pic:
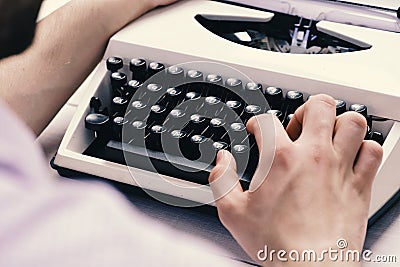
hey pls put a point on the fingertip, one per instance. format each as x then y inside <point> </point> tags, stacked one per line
<point>367,164</point>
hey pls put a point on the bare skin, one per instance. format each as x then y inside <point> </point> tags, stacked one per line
<point>317,191</point>
<point>68,45</point>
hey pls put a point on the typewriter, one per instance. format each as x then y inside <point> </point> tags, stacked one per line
<point>180,83</point>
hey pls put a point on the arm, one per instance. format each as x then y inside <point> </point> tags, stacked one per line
<point>68,45</point>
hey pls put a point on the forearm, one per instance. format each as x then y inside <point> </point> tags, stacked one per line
<point>68,45</point>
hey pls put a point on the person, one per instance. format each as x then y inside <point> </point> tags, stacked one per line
<point>317,191</point>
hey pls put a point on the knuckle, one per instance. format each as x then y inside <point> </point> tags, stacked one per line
<point>282,155</point>
<point>356,120</point>
<point>325,99</point>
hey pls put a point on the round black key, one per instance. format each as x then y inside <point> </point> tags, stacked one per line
<point>378,137</point>
<point>250,111</point>
<point>118,79</point>
<point>194,76</point>
<point>118,124</point>
<point>153,139</point>
<point>192,96</point>
<point>139,110</point>
<point>340,107</point>
<point>241,154</point>
<point>216,130</point>
<point>287,119</point>
<point>214,79</point>
<point>138,105</point>
<point>176,119</point>
<point>294,99</point>
<point>133,86</point>
<point>139,69</point>
<point>173,97</point>
<point>154,68</point>
<point>359,108</point>
<point>203,149</point>
<point>136,133</point>
<point>253,92</point>
<point>154,87</point>
<point>274,97</point>
<point>212,100</point>
<point>234,84</point>
<point>97,122</point>
<point>215,86</point>
<point>236,106</point>
<point>157,115</point>
<point>95,104</point>
<point>191,150</point>
<point>194,82</point>
<point>253,87</point>
<point>175,77</point>
<point>119,105</point>
<point>219,145</point>
<point>237,133</point>
<point>277,113</point>
<point>212,106</point>
<point>194,101</point>
<point>197,124</point>
<point>173,141</point>
<point>114,64</point>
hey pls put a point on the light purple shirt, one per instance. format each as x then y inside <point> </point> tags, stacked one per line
<point>45,222</point>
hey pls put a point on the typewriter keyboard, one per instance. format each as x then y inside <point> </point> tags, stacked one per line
<point>173,120</point>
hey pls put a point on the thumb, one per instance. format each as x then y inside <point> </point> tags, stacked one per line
<point>224,181</point>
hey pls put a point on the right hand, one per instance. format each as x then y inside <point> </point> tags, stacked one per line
<point>317,191</point>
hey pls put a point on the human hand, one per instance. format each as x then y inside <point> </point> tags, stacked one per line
<point>318,188</point>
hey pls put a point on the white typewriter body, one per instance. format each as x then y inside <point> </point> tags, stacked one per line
<point>172,35</point>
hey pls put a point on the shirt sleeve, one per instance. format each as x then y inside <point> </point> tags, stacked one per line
<point>74,223</point>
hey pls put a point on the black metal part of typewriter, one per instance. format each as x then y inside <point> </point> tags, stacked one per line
<point>180,134</point>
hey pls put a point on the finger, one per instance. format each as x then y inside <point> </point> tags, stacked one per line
<point>367,164</point>
<point>264,127</point>
<point>314,120</point>
<point>270,135</point>
<point>349,133</point>
<point>224,181</point>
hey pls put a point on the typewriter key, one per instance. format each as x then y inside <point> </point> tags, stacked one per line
<point>118,124</point>
<point>294,99</point>
<point>197,124</point>
<point>153,138</point>
<point>154,68</point>
<point>157,115</point>
<point>138,69</point>
<point>359,108</point>
<point>250,111</point>
<point>133,86</point>
<point>119,105</point>
<point>287,120</point>
<point>114,64</point>
<point>340,107</point>
<point>377,137</point>
<point>277,113</point>
<point>175,77</point>
<point>118,79</point>
<point>274,96</point>
<point>216,130</point>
